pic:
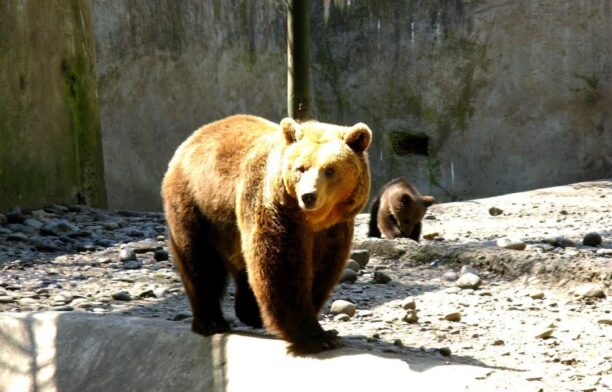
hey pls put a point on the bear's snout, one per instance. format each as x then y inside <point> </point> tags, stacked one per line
<point>309,199</point>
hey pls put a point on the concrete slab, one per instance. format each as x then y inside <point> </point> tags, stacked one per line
<point>53,351</point>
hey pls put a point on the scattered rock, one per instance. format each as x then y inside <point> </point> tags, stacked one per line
<point>411,317</point>
<point>160,255</point>
<point>62,308</point>
<point>353,265</point>
<point>510,243</point>
<point>499,342</point>
<point>127,254</point>
<point>536,294</point>
<point>560,242</point>
<point>450,276</point>
<point>33,223</point>
<point>408,303</point>
<point>58,228</point>
<point>601,321</point>
<point>18,237</point>
<point>592,239</point>
<point>468,269</point>
<point>545,334</point>
<point>590,290</point>
<point>342,317</point>
<point>132,264</point>
<point>445,351</point>
<point>494,211</point>
<point>431,236</point>
<point>181,316</point>
<point>381,277</point>
<point>5,299</point>
<point>64,297</point>
<point>468,281</point>
<point>348,276</point>
<point>362,256</point>
<point>342,306</point>
<point>454,316</point>
<point>15,216</point>
<point>121,296</point>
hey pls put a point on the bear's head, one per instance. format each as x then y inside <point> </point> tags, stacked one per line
<point>408,209</point>
<point>325,169</point>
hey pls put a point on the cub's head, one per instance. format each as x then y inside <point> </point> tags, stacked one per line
<point>325,168</point>
<point>408,209</point>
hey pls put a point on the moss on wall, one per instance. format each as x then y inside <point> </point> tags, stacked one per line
<point>50,149</point>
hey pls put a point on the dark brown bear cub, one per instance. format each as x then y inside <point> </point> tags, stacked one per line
<point>274,207</point>
<point>398,211</point>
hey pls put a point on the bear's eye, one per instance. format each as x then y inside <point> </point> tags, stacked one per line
<point>301,169</point>
<point>406,199</point>
<point>330,171</point>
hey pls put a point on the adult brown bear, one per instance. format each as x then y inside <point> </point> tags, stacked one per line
<point>274,206</point>
<point>398,211</point>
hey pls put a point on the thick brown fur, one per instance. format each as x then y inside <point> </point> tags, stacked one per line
<point>273,206</point>
<point>398,211</point>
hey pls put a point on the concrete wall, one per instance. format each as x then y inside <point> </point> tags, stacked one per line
<point>50,148</point>
<point>508,95</point>
<point>166,67</point>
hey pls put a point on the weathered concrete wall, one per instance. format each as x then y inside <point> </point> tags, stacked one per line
<point>512,95</point>
<point>467,98</point>
<point>50,148</point>
<point>166,67</point>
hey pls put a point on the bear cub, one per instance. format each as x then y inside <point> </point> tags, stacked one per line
<point>398,211</point>
<point>273,206</point>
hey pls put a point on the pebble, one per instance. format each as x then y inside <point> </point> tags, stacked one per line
<point>132,264</point>
<point>59,227</point>
<point>468,269</point>
<point>27,301</point>
<point>5,299</point>
<point>381,278</point>
<point>454,316</point>
<point>62,308</point>
<point>362,256</point>
<point>160,255</point>
<point>121,296</point>
<point>468,281</point>
<point>342,317</point>
<point>537,294</point>
<point>592,239</point>
<point>411,317</point>
<point>15,216</point>
<point>450,276</point>
<point>353,265</point>
<point>348,276</point>
<point>127,254</point>
<point>431,236</point>
<point>408,303</point>
<point>590,290</point>
<point>545,334</point>
<point>560,242</point>
<point>33,223</point>
<point>63,297</point>
<point>18,237</point>
<point>341,306</point>
<point>445,351</point>
<point>510,243</point>
<point>494,211</point>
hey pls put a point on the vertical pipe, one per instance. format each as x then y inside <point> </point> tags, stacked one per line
<point>298,59</point>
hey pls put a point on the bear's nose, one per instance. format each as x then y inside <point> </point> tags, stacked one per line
<point>309,199</point>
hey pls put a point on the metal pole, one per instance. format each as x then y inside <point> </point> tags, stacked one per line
<point>298,59</point>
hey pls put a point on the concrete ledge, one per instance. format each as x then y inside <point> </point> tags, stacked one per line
<point>53,351</point>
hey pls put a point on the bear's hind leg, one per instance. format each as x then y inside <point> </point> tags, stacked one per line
<point>204,276</point>
<point>245,304</point>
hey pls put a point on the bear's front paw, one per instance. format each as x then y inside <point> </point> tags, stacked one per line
<point>329,340</point>
<point>208,328</point>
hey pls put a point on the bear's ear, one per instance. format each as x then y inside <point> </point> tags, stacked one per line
<point>291,130</point>
<point>428,201</point>
<point>358,137</point>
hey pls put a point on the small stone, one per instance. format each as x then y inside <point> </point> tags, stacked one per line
<point>33,223</point>
<point>58,228</point>
<point>592,239</point>
<point>604,252</point>
<point>450,276</point>
<point>132,264</point>
<point>494,211</point>
<point>590,290</point>
<point>110,225</point>
<point>536,294</point>
<point>5,299</point>
<point>160,292</point>
<point>342,317</point>
<point>181,316</point>
<point>560,242</point>
<point>18,237</point>
<point>545,334</point>
<point>510,243</point>
<point>408,303</point>
<point>15,216</point>
<point>381,277</point>
<point>468,268</point>
<point>160,255</point>
<point>431,236</point>
<point>411,317</point>
<point>362,256</point>
<point>46,246</point>
<point>353,265</point>
<point>601,321</point>
<point>147,294</point>
<point>64,297</point>
<point>342,306</point>
<point>82,303</point>
<point>348,276</point>
<point>121,296</point>
<point>127,254</point>
<point>455,316</point>
<point>445,351</point>
<point>27,301</point>
<point>468,281</point>
<point>62,308</point>
<point>499,342</point>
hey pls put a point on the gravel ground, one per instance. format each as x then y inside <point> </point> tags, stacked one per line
<point>505,282</point>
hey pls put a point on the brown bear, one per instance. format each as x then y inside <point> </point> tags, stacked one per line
<point>274,206</point>
<point>398,211</point>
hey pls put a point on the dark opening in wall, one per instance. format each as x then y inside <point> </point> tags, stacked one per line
<point>408,144</point>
